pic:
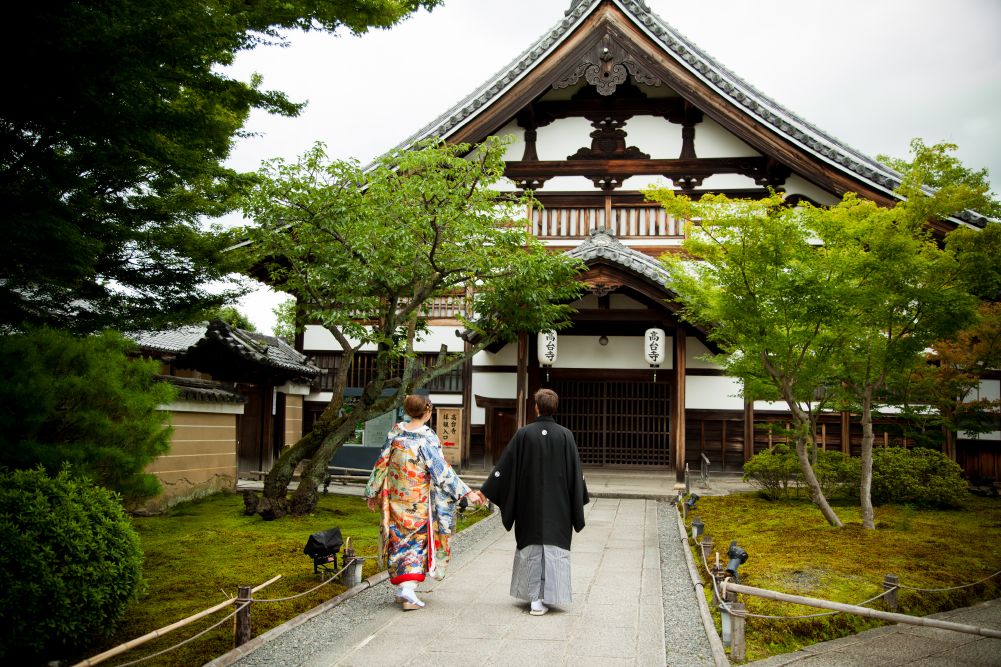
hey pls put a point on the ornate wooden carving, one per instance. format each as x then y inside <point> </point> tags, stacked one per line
<point>608,141</point>
<point>772,174</point>
<point>608,65</point>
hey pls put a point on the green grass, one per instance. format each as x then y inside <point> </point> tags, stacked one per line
<point>198,553</point>
<point>793,550</point>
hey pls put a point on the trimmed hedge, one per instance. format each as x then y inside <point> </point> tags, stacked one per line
<point>70,564</point>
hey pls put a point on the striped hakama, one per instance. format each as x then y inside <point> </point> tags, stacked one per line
<point>541,572</point>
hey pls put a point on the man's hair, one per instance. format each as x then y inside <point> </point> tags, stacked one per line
<point>547,401</point>
<point>415,405</point>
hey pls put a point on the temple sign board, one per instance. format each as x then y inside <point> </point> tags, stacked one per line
<point>449,422</point>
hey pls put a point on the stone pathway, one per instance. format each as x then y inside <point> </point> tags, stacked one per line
<point>617,617</point>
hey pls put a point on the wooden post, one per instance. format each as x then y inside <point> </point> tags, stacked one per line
<point>890,582</point>
<point>678,423</point>
<point>521,390</point>
<point>748,429</point>
<point>737,647</point>
<point>707,547</point>
<point>242,633</point>
<point>846,432</point>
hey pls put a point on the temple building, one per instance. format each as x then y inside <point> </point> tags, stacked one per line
<point>609,101</point>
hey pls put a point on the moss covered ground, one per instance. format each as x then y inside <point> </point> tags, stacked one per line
<point>793,550</point>
<point>198,553</point>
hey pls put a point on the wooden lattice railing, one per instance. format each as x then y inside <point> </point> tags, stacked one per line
<point>625,222</point>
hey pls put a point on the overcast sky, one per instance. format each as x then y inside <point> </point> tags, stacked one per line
<point>872,73</point>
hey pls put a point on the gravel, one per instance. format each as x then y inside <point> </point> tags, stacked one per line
<point>685,638</point>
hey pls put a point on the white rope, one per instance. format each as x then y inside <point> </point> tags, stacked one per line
<point>189,639</point>
<point>951,588</point>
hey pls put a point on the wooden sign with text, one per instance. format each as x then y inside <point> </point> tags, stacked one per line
<point>449,423</point>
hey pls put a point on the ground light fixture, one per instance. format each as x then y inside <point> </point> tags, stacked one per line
<point>697,528</point>
<point>738,557</point>
<point>322,547</point>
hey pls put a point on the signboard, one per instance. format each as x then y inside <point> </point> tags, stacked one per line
<point>449,422</point>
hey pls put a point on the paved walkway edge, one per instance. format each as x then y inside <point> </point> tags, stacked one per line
<point>715,643</point>
<point>226,659</point>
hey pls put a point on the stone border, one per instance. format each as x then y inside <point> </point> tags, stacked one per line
<point>715,643</point>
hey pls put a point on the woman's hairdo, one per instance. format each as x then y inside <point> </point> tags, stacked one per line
<point>547,401</point>
<point>416,405</point>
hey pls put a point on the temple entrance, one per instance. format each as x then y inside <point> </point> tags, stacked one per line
<point>617,423</point>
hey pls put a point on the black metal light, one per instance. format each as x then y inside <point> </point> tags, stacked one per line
<point>738,557</point>
<point>322,548</point>
<point>692,499</point>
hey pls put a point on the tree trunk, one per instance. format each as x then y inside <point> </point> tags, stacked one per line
<point>865,487</point>
<point>816,494</point>
<point>307,494</point>
<point>804,429</point>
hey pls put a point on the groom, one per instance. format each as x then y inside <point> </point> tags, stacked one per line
<point>540,490</point>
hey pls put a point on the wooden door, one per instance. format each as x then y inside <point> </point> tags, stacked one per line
<point>617,423</point>
<point>503,424</point>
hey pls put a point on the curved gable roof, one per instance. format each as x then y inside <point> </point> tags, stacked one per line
<point>601,245</point>
<point>738,93</point>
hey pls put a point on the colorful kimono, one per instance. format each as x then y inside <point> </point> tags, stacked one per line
<point>418,489</point>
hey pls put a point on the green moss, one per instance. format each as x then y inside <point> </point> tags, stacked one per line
<point>792,549</point>
<point>197,554</point>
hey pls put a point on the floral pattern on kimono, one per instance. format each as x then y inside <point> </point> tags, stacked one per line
<point>417,489</point>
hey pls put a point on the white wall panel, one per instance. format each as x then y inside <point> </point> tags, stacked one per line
<point>562,138</point>
<point>712,140</point>
<point>796,185</point>
<point>506,356</point>
<point>317,338</point>
<point>492,385</point>
<point>657,137</point>
<point>693,350</point>
<point>712,392</point>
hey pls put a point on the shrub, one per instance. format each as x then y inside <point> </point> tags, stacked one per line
<point>772,471</point>
<point>839,475</point>
<point>920,476</point>
<point>69,565</point>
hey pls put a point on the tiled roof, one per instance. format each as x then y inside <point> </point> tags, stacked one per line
<point>190,389</point>
<point>255,347</point>
<point>173,341</point>
<point>765,110</point>
<point>262,349</point>
<point>602,245</point>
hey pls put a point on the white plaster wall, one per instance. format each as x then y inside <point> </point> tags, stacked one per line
<point>622,352</point>
<point>562,138</point>
<point>727,182</point>
<point>712,392</point>
<point>797,185</point>
<point>492,385</point>
<point>771,406</point>
<point>317,338</point>
<point>506,356</point>
<point>516,149</point>
<point>657,137</point>
<point>695,349</point>
<point>567,183</point>
<point>644,181</point>
<point>712,140</point>
<point>990,390</point>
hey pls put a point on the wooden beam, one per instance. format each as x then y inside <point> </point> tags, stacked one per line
<point>698,167</point>
<point>748,429</point>
<point>678,404</point>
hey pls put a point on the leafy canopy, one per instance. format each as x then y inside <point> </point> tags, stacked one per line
<point>114,127</point>
<point>366,251</point>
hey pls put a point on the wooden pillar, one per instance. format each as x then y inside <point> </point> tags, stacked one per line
<point>748,429</point>
<point>467,403</point>
<point>846,432</point>
<point>521,393</point>
<point>678,405</point>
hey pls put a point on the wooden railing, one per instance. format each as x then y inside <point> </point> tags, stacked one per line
<point>624,222</point>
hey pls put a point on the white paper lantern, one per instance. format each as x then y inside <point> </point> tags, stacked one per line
<point>654,346</point>
<point>547,348</point>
